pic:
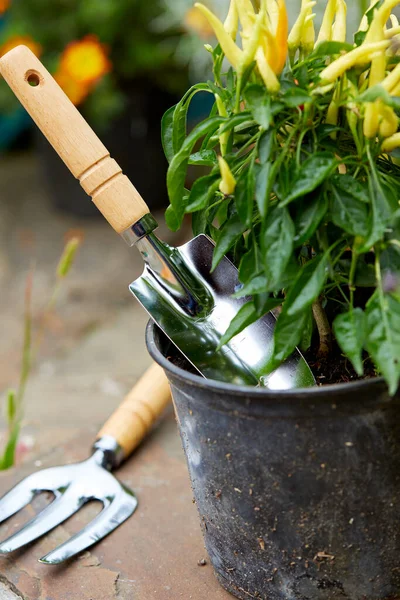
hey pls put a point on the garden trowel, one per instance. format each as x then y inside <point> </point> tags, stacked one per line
<point>192,304</point>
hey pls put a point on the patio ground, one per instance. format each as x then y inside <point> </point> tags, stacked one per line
<point>91,355</point>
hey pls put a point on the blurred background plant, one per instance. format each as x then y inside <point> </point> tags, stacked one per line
<point>123,63</point>
<point>32,338</point>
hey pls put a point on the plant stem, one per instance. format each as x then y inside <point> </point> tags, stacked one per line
<point>238,92</point>
<point>354,259</point>
<point>324,329</point>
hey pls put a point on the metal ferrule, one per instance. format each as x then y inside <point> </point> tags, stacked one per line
<point>140,229</point>
<point>107,453</point>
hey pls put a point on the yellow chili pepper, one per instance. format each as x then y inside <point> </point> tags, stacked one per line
<point>223,137</point>
<point>308,34</point>
<point>340,26</point>
<point>246,17</point>
<point>396,90</point>
<point>281,35</point>
<point>268,76</point>
<point>376,33</point>
<point>273,14</point>
<point>232,52</point>
<point>228,182</point>
<point>269,44</point>
<point>390,33</point>
<point>352,111</point>
<point>253,42</point>
<point>376,30</point>
<point>358,56</point>
<point>371,119</point>
<point>274,35</point>
<point>332,114</point>
<point>364,21</point>
<point>325,33</point>
<point>302,32</point>
<point>391,143</point>
<point>392,80</point>
<point>390,122</point>
<point>231,23</point>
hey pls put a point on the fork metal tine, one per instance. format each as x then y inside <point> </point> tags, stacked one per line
<point>120,509</point>
<point>58,511</point>
<point>18,497</point>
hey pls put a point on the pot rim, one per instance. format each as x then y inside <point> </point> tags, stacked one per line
<point>240,390</point>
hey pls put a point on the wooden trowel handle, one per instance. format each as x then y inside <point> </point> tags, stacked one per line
<point>133,419</point>
<point>72,138</point>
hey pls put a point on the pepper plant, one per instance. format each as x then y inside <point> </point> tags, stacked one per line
<point>302,180</point>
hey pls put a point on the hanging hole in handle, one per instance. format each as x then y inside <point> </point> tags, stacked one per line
<point>33,78</point>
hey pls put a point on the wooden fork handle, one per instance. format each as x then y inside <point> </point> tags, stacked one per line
<point>72,138</point>
<point>132,420</point>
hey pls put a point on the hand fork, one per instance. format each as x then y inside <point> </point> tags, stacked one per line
<point>74,485</point>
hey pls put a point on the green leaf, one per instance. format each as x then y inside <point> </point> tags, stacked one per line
<point>349,213</point>
<point>244,195</point>
<point>247,315</point>
<point>287,335</point>
<point>314,171</point>
<point>236,121</point>
<point>229,234</point>
<point>331,48</point>
<point>349,186</point>
<point>390,259</point>
<point>176,174</point>
<point>171,219</point>
<point>263,175</point>
<point>376,92</point>
<point>350,332</point>
<point>265,146</point>
<point>359,37</point>
<point>311,211</point>
<point>306,336</point>
<point>383,337</point>
<point>257,285</point>
<point>248,266</point>
<point>295,96</point>
<point>206,158</point>
<point>277,244</point>
<point>179,117</point>
<point>167,133</point>
<point>203,190</point>
<point>380,215</point>
<point>307,286</point>
<point>258,100</point>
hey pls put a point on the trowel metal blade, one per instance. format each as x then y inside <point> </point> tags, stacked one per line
<point>243,361</point>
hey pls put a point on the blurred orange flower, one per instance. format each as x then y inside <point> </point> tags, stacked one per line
<point>17,40</point>
<point>197,22</point>
<point>4,4</point>
<point>85,61</point>
<point>75,90</point>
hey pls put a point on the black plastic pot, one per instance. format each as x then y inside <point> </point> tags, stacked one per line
<point>298,492</point>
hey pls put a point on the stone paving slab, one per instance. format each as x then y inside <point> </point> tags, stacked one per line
<point>91,355</point>
<point>153,555</point>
